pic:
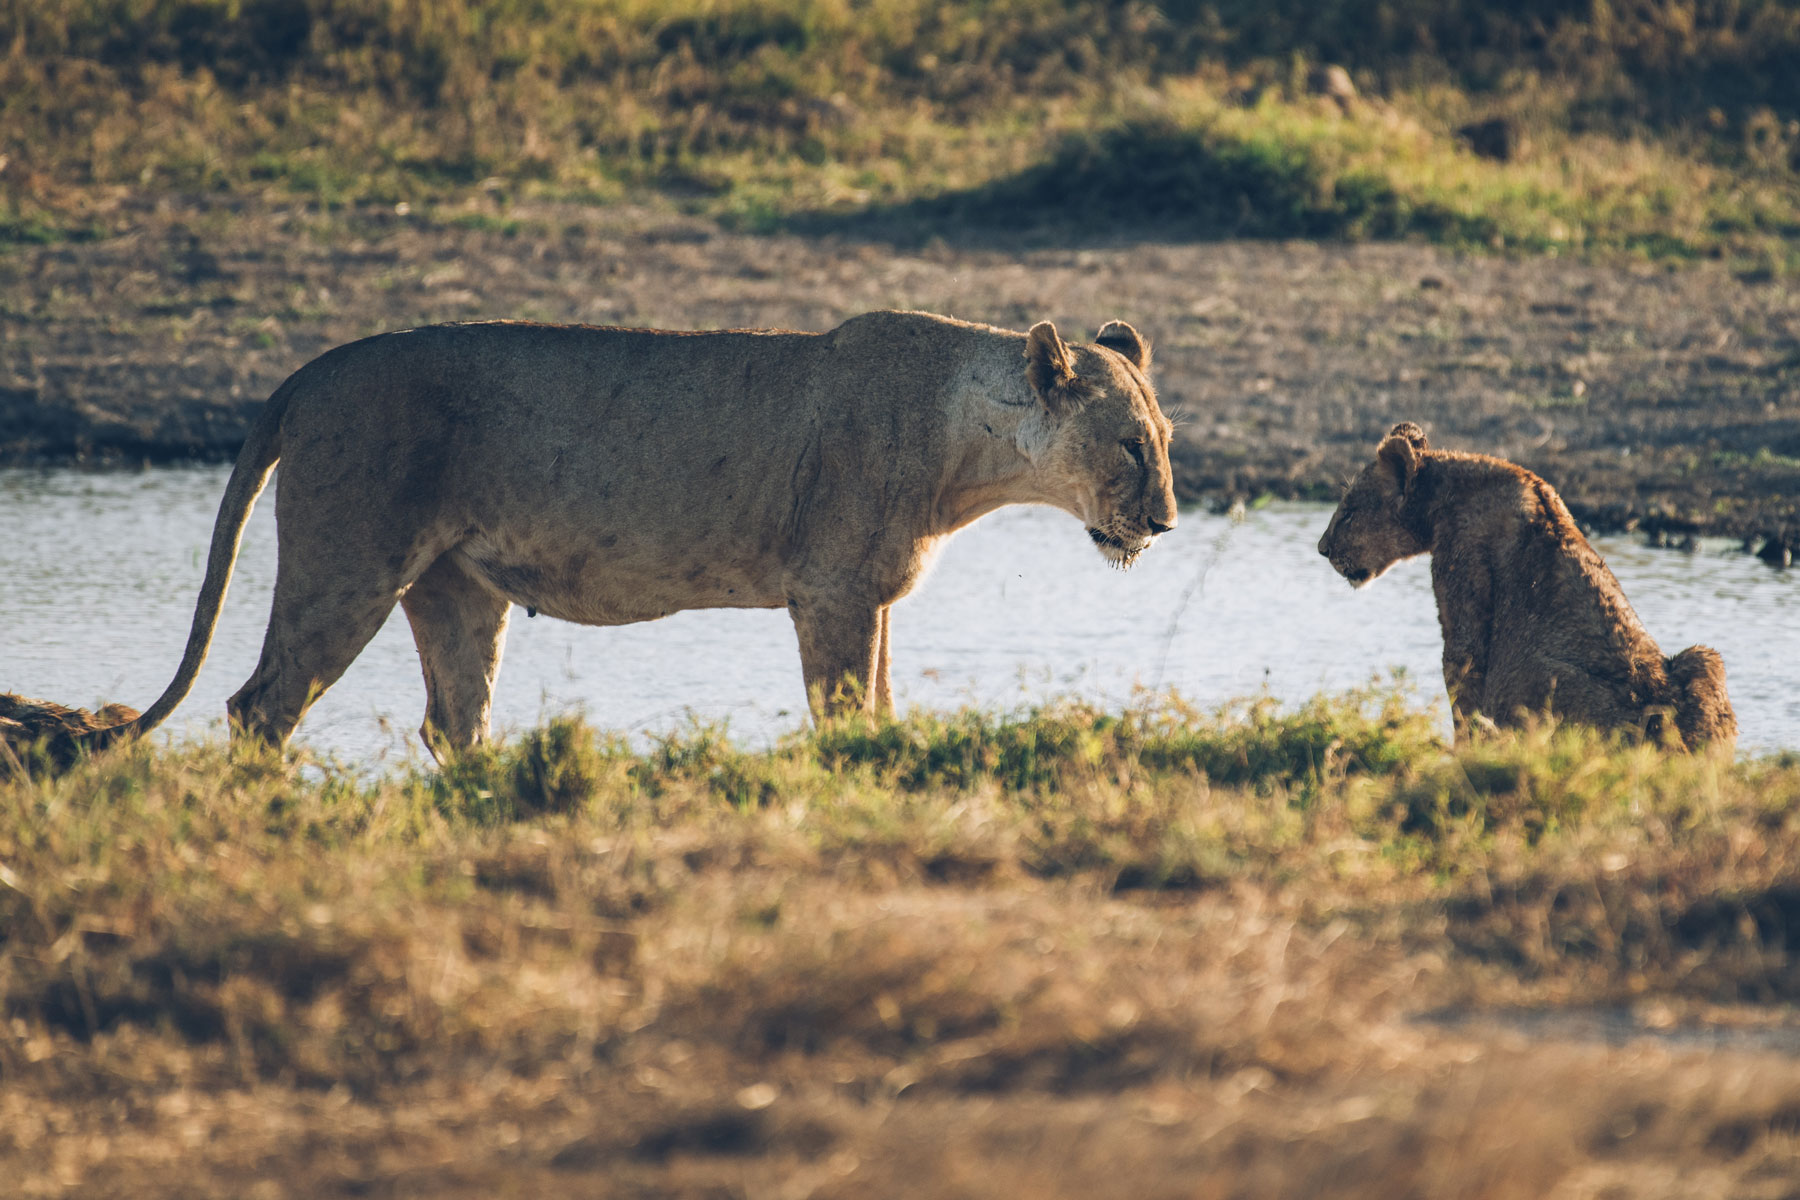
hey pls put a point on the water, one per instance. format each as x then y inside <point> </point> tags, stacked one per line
<point>98,574</point>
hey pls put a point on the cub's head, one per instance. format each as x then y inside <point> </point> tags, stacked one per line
<point>1104,455</point>
<point>1367,535</point>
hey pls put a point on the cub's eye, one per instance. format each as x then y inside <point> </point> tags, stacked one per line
<point>1135,448</point>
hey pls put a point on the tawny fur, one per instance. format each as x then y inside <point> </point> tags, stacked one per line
<point>607,476</point>
<point>29,727</point>
<point>1533,620</point>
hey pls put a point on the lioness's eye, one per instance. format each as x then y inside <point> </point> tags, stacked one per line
<point>1135,448</point>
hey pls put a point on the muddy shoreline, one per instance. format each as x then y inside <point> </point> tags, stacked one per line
<point>1657,399</point>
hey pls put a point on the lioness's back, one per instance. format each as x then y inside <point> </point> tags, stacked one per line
<point>650,420</point>
<point>568,370</point>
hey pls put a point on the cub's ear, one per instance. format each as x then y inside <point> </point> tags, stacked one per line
<point>1411,432</point>
<point>1122,338</point>
<point>1399,452</point>
<point>1048,367</point>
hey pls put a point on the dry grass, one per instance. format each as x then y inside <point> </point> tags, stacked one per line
<point>1669,130</point>
<point>1062,954</point>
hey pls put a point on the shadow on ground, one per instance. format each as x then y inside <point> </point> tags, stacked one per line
<point>1156,180</point>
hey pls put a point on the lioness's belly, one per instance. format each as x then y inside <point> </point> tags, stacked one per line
<point>618,583</point>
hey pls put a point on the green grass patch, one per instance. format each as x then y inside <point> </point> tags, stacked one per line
<point>1212,179</point>
<point>1364,762</point>
<point>1762,459</point>
<point>43,230</point>
<point>1194,165</point>
<point>1668,132</point>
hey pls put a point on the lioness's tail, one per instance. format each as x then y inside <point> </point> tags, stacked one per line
<point>1702,709</point>
<point>261,449</point>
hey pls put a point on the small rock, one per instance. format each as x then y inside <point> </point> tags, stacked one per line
<point>1334,83</point>
<point>1498,138</point>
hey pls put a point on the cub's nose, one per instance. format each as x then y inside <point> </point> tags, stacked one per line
<point>1323,552</point>
<point>1157,526</point>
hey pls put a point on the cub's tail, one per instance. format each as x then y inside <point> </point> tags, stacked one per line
<point>1702,709</point>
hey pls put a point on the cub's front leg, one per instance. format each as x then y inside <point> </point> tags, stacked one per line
<point>1466,619</point>
<point>1466,683</point>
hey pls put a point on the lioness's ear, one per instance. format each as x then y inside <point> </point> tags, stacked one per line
<point>1047,366</point>
<point>1122,338</point>
<point>1400,454</point>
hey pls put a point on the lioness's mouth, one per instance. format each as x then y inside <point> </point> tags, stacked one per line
<point>1117,551</point>
<point>1357,575</point>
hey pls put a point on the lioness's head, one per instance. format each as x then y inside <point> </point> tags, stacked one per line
<point>1367,534</point>
<point>1107,455</point>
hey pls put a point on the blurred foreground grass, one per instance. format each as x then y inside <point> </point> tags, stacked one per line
<point>933,957</point>
<point>1669,128</point>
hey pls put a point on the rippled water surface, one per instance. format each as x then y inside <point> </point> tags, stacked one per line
<point>98,574</point>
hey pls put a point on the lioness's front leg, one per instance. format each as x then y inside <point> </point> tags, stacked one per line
<point>840,643</point>
<point>884,687</point>
<point>459,627</point>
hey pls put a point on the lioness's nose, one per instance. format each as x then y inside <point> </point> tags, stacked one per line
<point>1157,526</point>
<point>1323,552</point>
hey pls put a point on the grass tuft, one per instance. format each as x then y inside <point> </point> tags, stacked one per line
<point>556,770</point>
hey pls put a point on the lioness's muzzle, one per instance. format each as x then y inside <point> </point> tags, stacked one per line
<point>1102,538</point>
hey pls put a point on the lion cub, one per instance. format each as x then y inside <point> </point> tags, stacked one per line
<point>1532,619</point>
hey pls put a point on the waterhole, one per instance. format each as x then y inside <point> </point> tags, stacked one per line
<point>98,575</point>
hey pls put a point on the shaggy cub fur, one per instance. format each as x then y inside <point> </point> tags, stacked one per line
<point>26,724</point>
<point>1533,621</point>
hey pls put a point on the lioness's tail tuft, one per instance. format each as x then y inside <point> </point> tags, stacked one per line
<point>1702,709</point>
<point>29,728</point>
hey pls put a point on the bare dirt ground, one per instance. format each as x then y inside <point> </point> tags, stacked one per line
<point>1667,399</point>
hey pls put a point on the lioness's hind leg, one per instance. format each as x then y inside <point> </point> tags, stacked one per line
<point>322,617</point>
<point>459,627</point>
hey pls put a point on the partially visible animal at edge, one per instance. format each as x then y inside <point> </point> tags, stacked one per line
<point>32,727</point>
<point>607,476</point>
<point>1533,621</point>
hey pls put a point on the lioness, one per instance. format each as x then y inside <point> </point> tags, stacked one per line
<point>615,475</point>
<point>1532,619</point>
